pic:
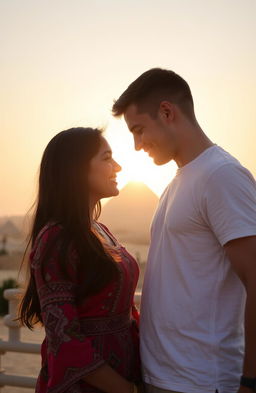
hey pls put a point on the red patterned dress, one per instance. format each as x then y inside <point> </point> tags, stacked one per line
<point>80,338</point>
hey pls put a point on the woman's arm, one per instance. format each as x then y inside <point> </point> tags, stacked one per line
<point>108,380</point>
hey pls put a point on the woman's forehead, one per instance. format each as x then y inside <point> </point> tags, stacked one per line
<point>104,146</point>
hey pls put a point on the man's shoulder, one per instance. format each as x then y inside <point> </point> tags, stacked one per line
<point>220,164</point>
<point>225,167</point>
<point>216,159</point>
<point>217,166</point>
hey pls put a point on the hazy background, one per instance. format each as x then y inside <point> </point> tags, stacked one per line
<point>63,62</point>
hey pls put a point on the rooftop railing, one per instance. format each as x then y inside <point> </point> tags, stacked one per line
<point>14,343</point>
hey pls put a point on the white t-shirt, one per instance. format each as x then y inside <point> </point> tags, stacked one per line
<point>192,307</point>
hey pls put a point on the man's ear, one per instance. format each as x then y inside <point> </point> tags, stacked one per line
<point>166,111</point>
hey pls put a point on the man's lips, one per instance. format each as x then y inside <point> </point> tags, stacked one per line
<point>148,151</point>
<point>148,148</point>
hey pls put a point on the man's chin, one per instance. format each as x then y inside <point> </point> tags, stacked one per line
<point>159,161</point>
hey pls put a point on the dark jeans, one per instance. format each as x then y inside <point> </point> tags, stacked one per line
<point>154,389</point>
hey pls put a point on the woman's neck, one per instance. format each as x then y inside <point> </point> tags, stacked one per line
<point>92,205</point>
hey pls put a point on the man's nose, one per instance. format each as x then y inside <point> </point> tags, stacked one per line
<point>137,143</point>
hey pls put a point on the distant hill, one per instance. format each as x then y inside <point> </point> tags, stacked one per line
<point>129,215</point>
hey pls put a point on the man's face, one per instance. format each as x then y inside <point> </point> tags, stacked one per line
<point>153,135</point>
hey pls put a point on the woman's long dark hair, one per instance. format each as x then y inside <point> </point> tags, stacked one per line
<point>63,198</point>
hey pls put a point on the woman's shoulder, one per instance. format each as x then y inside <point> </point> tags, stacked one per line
<point>50,232</point>
<point>105,228</point>
<point>47,250</point>
<point>49,229</point>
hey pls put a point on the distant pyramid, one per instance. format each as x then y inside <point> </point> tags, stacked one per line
<point>9,229</point>
<point>129,215</point>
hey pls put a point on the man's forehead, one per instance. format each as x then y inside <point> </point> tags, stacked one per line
<point>132,116</point>
<point>131,110</point>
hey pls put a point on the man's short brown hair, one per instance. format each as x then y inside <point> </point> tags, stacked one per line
<point>152,87</point>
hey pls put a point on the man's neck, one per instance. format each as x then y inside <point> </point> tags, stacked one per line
<point>194,143</point>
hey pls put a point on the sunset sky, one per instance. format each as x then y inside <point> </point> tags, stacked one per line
<point>63,63</point>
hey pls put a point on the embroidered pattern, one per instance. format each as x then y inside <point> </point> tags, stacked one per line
<point>80,338</point>
<point>109,325</point>
<point>55,323</point>
<point>56,292</point>
<point>73,330</point>
<point>72,375</point>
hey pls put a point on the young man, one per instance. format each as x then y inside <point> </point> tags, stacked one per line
<point>199,290</point>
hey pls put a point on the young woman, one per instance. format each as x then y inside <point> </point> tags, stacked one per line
<point>82,280</point>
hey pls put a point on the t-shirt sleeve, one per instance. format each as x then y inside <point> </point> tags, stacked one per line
<point>229,201</point>
<point>70,353</point>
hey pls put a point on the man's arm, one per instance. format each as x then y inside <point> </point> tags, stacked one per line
<point>242,255</point>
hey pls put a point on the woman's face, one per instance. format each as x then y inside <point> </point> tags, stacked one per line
<point>102,173</point>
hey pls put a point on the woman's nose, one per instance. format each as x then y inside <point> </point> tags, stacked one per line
<point>118,167</point>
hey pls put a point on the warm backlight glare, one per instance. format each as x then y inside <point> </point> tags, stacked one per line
<point>136,165</point>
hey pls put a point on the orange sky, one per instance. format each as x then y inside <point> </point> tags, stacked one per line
<point>63,63</point>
